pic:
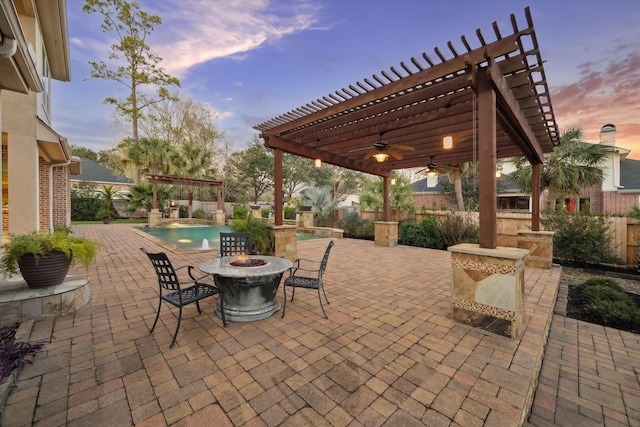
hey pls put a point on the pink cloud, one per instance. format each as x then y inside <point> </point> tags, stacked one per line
<point>606,92</point>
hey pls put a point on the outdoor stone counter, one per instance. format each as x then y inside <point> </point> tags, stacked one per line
<point>488,288</point>
<point>19,302</point>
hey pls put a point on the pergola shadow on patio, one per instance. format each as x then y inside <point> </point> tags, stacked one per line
<point>389,353</point>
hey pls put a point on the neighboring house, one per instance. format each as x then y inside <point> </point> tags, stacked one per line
<point>100,176</point>
<point>618,192</point>
<point>36,163</point>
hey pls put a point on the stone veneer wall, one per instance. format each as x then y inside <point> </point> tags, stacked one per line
<point>18,302</point>
<point>487,290</point>
<point>385,233</point>
<point>286,241</point>
<point>540,247</point>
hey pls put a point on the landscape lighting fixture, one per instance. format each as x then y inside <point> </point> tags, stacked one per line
<point>318,163</point>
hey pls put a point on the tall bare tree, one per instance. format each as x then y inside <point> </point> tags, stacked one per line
<point>131,61</point>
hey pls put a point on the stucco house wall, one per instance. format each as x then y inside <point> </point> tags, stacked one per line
<point>36,159</point>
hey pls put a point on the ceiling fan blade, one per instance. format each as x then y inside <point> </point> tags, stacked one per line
<point>402,147</point>
<point>395,154</point>
<point>370,154</point>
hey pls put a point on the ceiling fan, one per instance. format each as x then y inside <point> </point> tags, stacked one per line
<point>382,150</point>
<point>432,169</point>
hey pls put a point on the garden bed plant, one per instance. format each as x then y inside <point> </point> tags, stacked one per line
<point>14,353</point>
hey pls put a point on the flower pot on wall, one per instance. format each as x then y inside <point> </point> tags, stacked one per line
<point>45,270</point>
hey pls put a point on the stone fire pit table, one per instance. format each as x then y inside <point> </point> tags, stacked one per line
<point>249,290</point>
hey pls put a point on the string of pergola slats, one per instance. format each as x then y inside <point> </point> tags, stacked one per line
<point>425,99</point>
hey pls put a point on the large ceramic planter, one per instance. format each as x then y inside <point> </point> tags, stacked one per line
<point>46,270</point>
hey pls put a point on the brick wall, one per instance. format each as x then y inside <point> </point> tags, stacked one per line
<point>614,202</point>
<point>62,195</point>
<point>43,167</point>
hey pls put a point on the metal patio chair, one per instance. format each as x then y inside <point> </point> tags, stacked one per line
<point>179,293</point>
<point>309,277</point>
<point>235,244</point>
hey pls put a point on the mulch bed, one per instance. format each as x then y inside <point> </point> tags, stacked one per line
<point>575,311</point>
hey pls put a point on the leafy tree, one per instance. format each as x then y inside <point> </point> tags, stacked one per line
<point>296,172</point>
<point>138,64</point>
<point>570,167</point>
<point>87,153</point>
<point>342,181</point>
<point>254,166</point>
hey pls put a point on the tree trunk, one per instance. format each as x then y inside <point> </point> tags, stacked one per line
<point>457,184</point>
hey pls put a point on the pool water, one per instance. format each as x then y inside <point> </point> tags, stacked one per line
<point>195,237</point>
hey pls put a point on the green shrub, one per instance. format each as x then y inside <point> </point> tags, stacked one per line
<point>606,300</point>
<point>455,229</point>
<point>580,237</point>
<point>264,212</point>
<point>424,234</point>
<point>262,238</point>
<point>289,212</point>
<point>240,212</point>
<point>199,213</point>
<point>349,223</point>
<point>365,229</point>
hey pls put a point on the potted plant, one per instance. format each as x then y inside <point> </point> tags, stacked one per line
<point>44,258</point>
<point>105,215</point>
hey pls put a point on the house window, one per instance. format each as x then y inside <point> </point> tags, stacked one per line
<point>46,82</point>
<point>584,204</point>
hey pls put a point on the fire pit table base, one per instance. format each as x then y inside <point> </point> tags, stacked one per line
<point>249,298</point>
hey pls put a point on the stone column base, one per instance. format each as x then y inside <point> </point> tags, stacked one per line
<point>385,233</point>
<point>154,218</point>
<point>219,218</point>
<point>540,247</point>
<point>286,241</point>
<point>488,288</point>
<point>306,219</point>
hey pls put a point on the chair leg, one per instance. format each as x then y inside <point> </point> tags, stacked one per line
<point>284,307</point>
<point>157,315</point>
<point>177,328</point>
<point>198,305</point>
<point>320,299</point>
<point>325,295</point>
<point>293,292</point>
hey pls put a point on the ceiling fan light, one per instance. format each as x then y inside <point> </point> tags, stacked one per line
<point>381,157</point>
<point>447,142</point>
<point>432,174</point>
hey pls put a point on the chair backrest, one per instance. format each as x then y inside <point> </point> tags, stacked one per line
<point>325,258</point>
<point>167,276</point>
<point>235,244</point>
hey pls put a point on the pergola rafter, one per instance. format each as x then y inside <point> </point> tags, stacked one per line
<point>423,100</point>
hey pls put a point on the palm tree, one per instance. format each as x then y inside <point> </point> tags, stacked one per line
<point>320,199</point>
<point>570,167</point>
<point>141,196</point>
<point>400,196</point>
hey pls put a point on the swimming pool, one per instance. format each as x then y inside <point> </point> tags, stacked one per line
<point>195,237</point>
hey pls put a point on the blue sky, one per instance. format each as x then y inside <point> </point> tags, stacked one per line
<point>251,60</point>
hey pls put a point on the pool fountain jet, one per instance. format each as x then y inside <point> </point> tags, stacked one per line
<point>205,244</point>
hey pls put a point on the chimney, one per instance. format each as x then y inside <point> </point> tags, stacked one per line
<point>608,135</point>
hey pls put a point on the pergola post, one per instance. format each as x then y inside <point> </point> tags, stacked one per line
<point>277,189</point>
<point>385,199</point>
<point>487,162</point>
<point>535,197</point>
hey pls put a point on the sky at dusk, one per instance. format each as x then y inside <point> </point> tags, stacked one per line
<point>251,60</point>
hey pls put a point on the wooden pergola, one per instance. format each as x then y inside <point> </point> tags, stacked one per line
<point>492,99</point>
<point>181,180</point>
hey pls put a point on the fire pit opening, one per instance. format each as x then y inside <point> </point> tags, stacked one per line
<point>249,262</point>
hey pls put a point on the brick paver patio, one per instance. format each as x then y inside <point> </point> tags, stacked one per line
<point>388,354</point>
